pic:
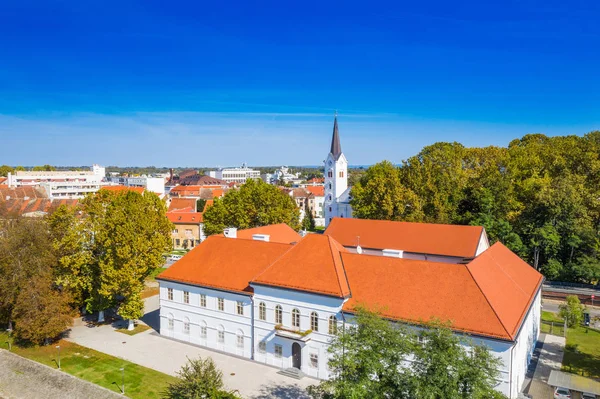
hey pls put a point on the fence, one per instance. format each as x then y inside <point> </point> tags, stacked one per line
<point>554,328</point>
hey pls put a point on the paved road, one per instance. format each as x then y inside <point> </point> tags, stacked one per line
<point>251,379</point>
<point>552,306</point>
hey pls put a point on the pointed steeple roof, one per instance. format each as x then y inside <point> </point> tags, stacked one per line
<point>336,147</point>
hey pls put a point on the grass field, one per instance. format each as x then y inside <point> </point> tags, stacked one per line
<point>96,367</point>
<point>136,330</point>
<point>582,353</point>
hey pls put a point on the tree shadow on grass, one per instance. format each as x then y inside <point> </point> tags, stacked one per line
<point>272,391</point>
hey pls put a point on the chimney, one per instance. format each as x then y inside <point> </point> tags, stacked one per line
<point>230,232</point>
<point>261,237</point>
<point>171,174</point>
<point>393,253</point>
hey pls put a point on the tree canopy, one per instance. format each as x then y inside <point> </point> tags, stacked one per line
<point>254,204</point>
<point>368,360</point>
<point>540,196</point>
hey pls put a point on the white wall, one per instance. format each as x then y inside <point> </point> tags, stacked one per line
<point>306,303</point>
<point>231,322</point>
<point>483,243</point>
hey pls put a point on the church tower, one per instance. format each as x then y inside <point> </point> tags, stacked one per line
<point>336,177</point>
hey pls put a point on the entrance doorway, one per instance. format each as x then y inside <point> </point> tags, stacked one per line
<point>296,356</point>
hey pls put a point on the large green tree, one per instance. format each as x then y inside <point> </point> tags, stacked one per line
<point>369,360</point>
<point>109,252</point>
<point>5,170</point>
<point>254,204</point>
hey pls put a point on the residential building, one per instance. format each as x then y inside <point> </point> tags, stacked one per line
<point>235,175</point>
<point>337,192</point>
<point>152,184</point>
<point>188,228</point>
<point>61,184</point>
<point>202,181</point>
<point>311,197</point>
<point>282,175</point>
<point>28,201</point>
<point>278,301</point>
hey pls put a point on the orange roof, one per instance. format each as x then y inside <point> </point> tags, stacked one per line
<point>123,188</point>
<point>224,263</point>
<point>181,203</point>
<point>508,283</point>
<point>416,291</point>
<point>317,191</point>
<point>3,179</point>
<point>426,238</point>
<point>313,265</point>
<point>281,233</point>
<point>185,217</point>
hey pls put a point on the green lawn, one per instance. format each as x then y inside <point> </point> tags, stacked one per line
<point>551,316</point>
<point>582,353</point>
<point>96,367</point>
<point>136,330</point>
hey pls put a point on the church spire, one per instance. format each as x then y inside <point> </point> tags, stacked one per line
<point>336,147</point>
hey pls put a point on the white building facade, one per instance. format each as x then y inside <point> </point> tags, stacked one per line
<point>153,184</point>
<point>235,175</point>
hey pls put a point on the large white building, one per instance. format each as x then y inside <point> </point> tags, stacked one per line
<point>61,184</point>
<point>235,175</point>
<point>337,192</point>
<point>276,298</point>
<point>153,184</point>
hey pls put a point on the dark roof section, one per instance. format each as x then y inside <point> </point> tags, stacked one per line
<point>336,147</point>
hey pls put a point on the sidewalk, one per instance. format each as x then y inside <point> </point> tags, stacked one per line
<point>253,380</point>
<point>551,355</point>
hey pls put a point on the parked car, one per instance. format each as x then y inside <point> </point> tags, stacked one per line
<point>175,258</point>
<point>586,319</point>
<point>562,393</point>
<point>587,395</point>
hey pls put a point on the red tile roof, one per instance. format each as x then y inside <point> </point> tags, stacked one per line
<point>312,265</point>
<point>181,203</point>
<point>3,179</point>
<point>426,238</point>
<point>7,192</point>
<point>179,217</point>
<point>202,180</point>
<point>317,191</point>
<point>281,233</point>
<point>225,263</point>
<point>124,188</point>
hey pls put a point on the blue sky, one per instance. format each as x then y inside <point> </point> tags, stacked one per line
<point>221,83</point>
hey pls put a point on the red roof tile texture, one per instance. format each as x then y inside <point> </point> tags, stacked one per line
<point>181,203</point>
<point>312,265</point>
<point>281,233</point>
<point>425,238</point>
<point>317,191</point>
<point>185,217</point>
<point>225,263</point>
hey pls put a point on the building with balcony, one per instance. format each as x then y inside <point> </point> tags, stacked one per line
<point>235,175</point>
<point>277,298</point>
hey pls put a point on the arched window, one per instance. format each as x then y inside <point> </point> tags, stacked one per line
<point>186,325</point>
<point>296,318</point>
<point>278,315</point>
<point>171,321</point>
<point>330,186</point>
<point>221,334</point>
<point>332,324</point>
<point>203,332</point>
<point>262,311</point>
<point>329,198</point>
<point>330,174</point>
<point>314,321</point>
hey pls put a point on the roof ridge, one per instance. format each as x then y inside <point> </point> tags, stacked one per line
<point>292,246</point>
<point>331,249</point>
<point>488,302</point>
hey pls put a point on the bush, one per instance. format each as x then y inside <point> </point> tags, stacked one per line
<point>572,311</point>
<point>199,379</point>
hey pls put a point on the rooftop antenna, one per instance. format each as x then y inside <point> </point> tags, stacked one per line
<point>358,247</point>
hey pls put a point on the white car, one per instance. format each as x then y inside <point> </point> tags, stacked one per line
<point>175,258</point>
<point>562,393</point>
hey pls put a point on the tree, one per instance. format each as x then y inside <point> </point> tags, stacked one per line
<point>308,221</point>
<point>572,311</point>
<point>199,378</point>
<point>41,311</point>
<point>254,204</point>
<point>29,300</point>
<point>5,170</point>
<point>200,204</point>
<point>368,360</point>
<point>44,168</point>
<point>110,252</point>
<point>379,194</point>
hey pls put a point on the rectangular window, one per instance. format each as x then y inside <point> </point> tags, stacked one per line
<point>262,347</point>
<point>221,336</point>
<point>177,242</point>
<point>186,297</point>
<point>240,341</point>
<point>314,360</point>
<point>221,304</point>
<point>170,294</point>
<point>175,231</point>
<point>240,308</point>
<point>278,351</point>
<point>203,300</point>
<point>203,332</point>
<point>171,324</point>
<point>186,327</point>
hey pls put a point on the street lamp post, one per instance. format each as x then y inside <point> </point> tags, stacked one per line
<point>58,347</point>
<point>122,380</point>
